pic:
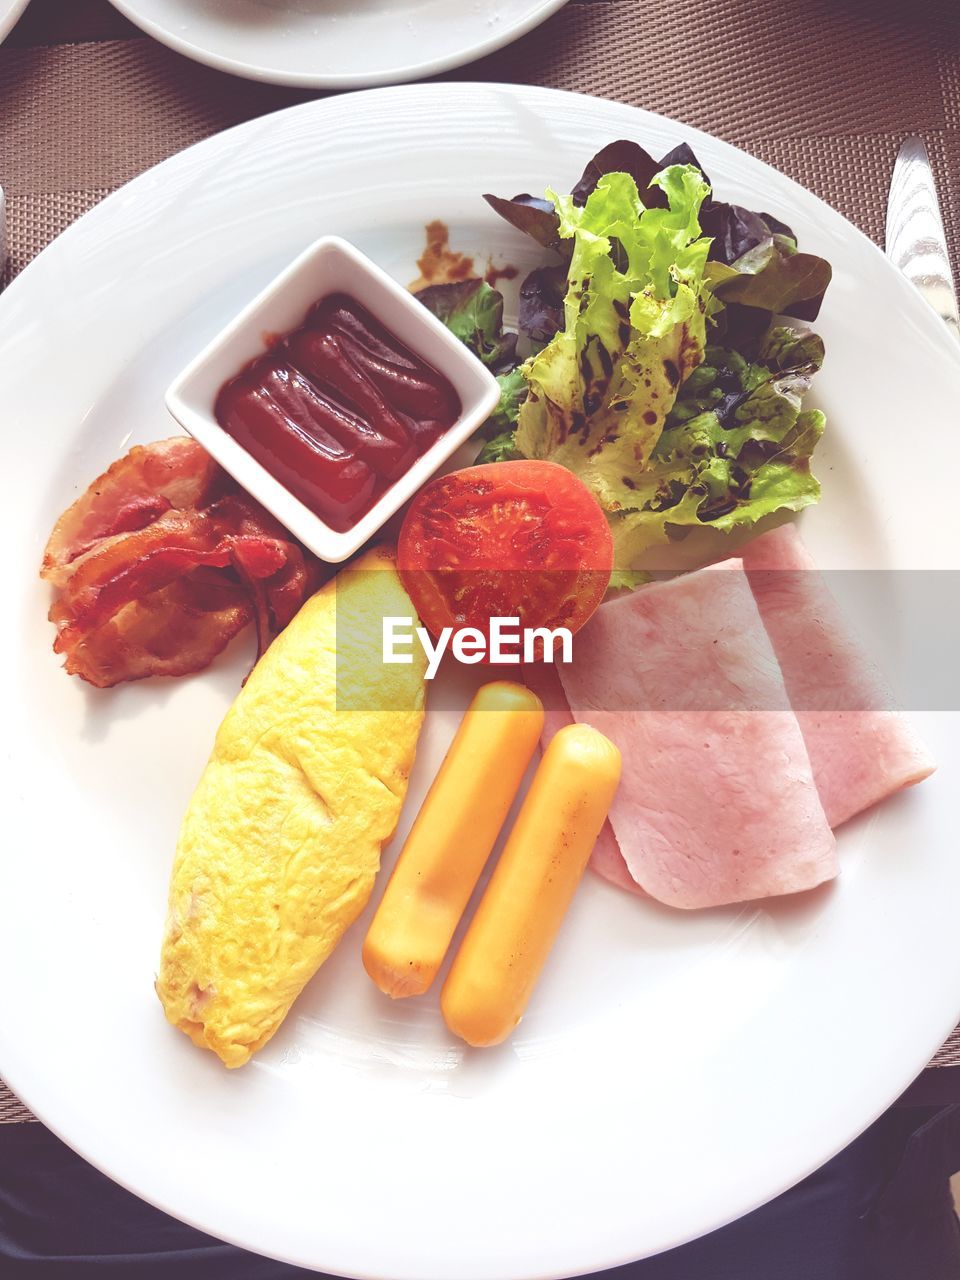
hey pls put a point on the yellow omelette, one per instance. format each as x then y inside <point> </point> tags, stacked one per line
<point>281,842</point>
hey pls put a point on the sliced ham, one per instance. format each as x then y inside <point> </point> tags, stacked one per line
<point>717,802</point>
<point>862,749</point>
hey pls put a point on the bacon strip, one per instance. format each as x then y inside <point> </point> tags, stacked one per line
<point>162,561</point>
<point>171,632</point>
<point>175,474</point>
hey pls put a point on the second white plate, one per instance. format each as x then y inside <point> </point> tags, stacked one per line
<point>336,44</point>
<point>10,11</point>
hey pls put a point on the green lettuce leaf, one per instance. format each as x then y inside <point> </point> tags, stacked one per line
<point>634,327</point>
<point>627,579</point>
<point>736,446</point>
<point>513,392</point>
<point>501,448</point>
<point>473,312</point>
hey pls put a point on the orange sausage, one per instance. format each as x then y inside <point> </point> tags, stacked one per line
<point>515,925</point>
<point>452,837</point>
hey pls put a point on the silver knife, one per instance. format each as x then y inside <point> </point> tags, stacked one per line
<point>916,242</point>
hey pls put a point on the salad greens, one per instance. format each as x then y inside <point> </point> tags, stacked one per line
<point>733,230</point>
<point>634,328</point>
<point>773,276</point>
<point>735,447</point>
<point>473,312</point>
<point>664,369</point>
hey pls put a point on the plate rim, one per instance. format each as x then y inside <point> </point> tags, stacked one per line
<point>922,314</point>
<point>539,12</point>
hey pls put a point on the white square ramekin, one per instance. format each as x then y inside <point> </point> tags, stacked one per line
<point>330,265</point>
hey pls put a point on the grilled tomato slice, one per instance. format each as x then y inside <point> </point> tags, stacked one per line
<point>522,540</point>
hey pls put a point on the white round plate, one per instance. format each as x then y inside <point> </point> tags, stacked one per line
<point>10,11</point>
<point>336,44</point>
<point>674,1070</point>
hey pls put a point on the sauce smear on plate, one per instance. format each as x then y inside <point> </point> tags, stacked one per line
<point>338,410</point>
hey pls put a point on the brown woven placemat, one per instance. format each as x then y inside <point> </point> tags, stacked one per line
<point>823,89</point>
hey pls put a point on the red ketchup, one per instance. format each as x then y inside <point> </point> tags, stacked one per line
<point>338,410</point>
